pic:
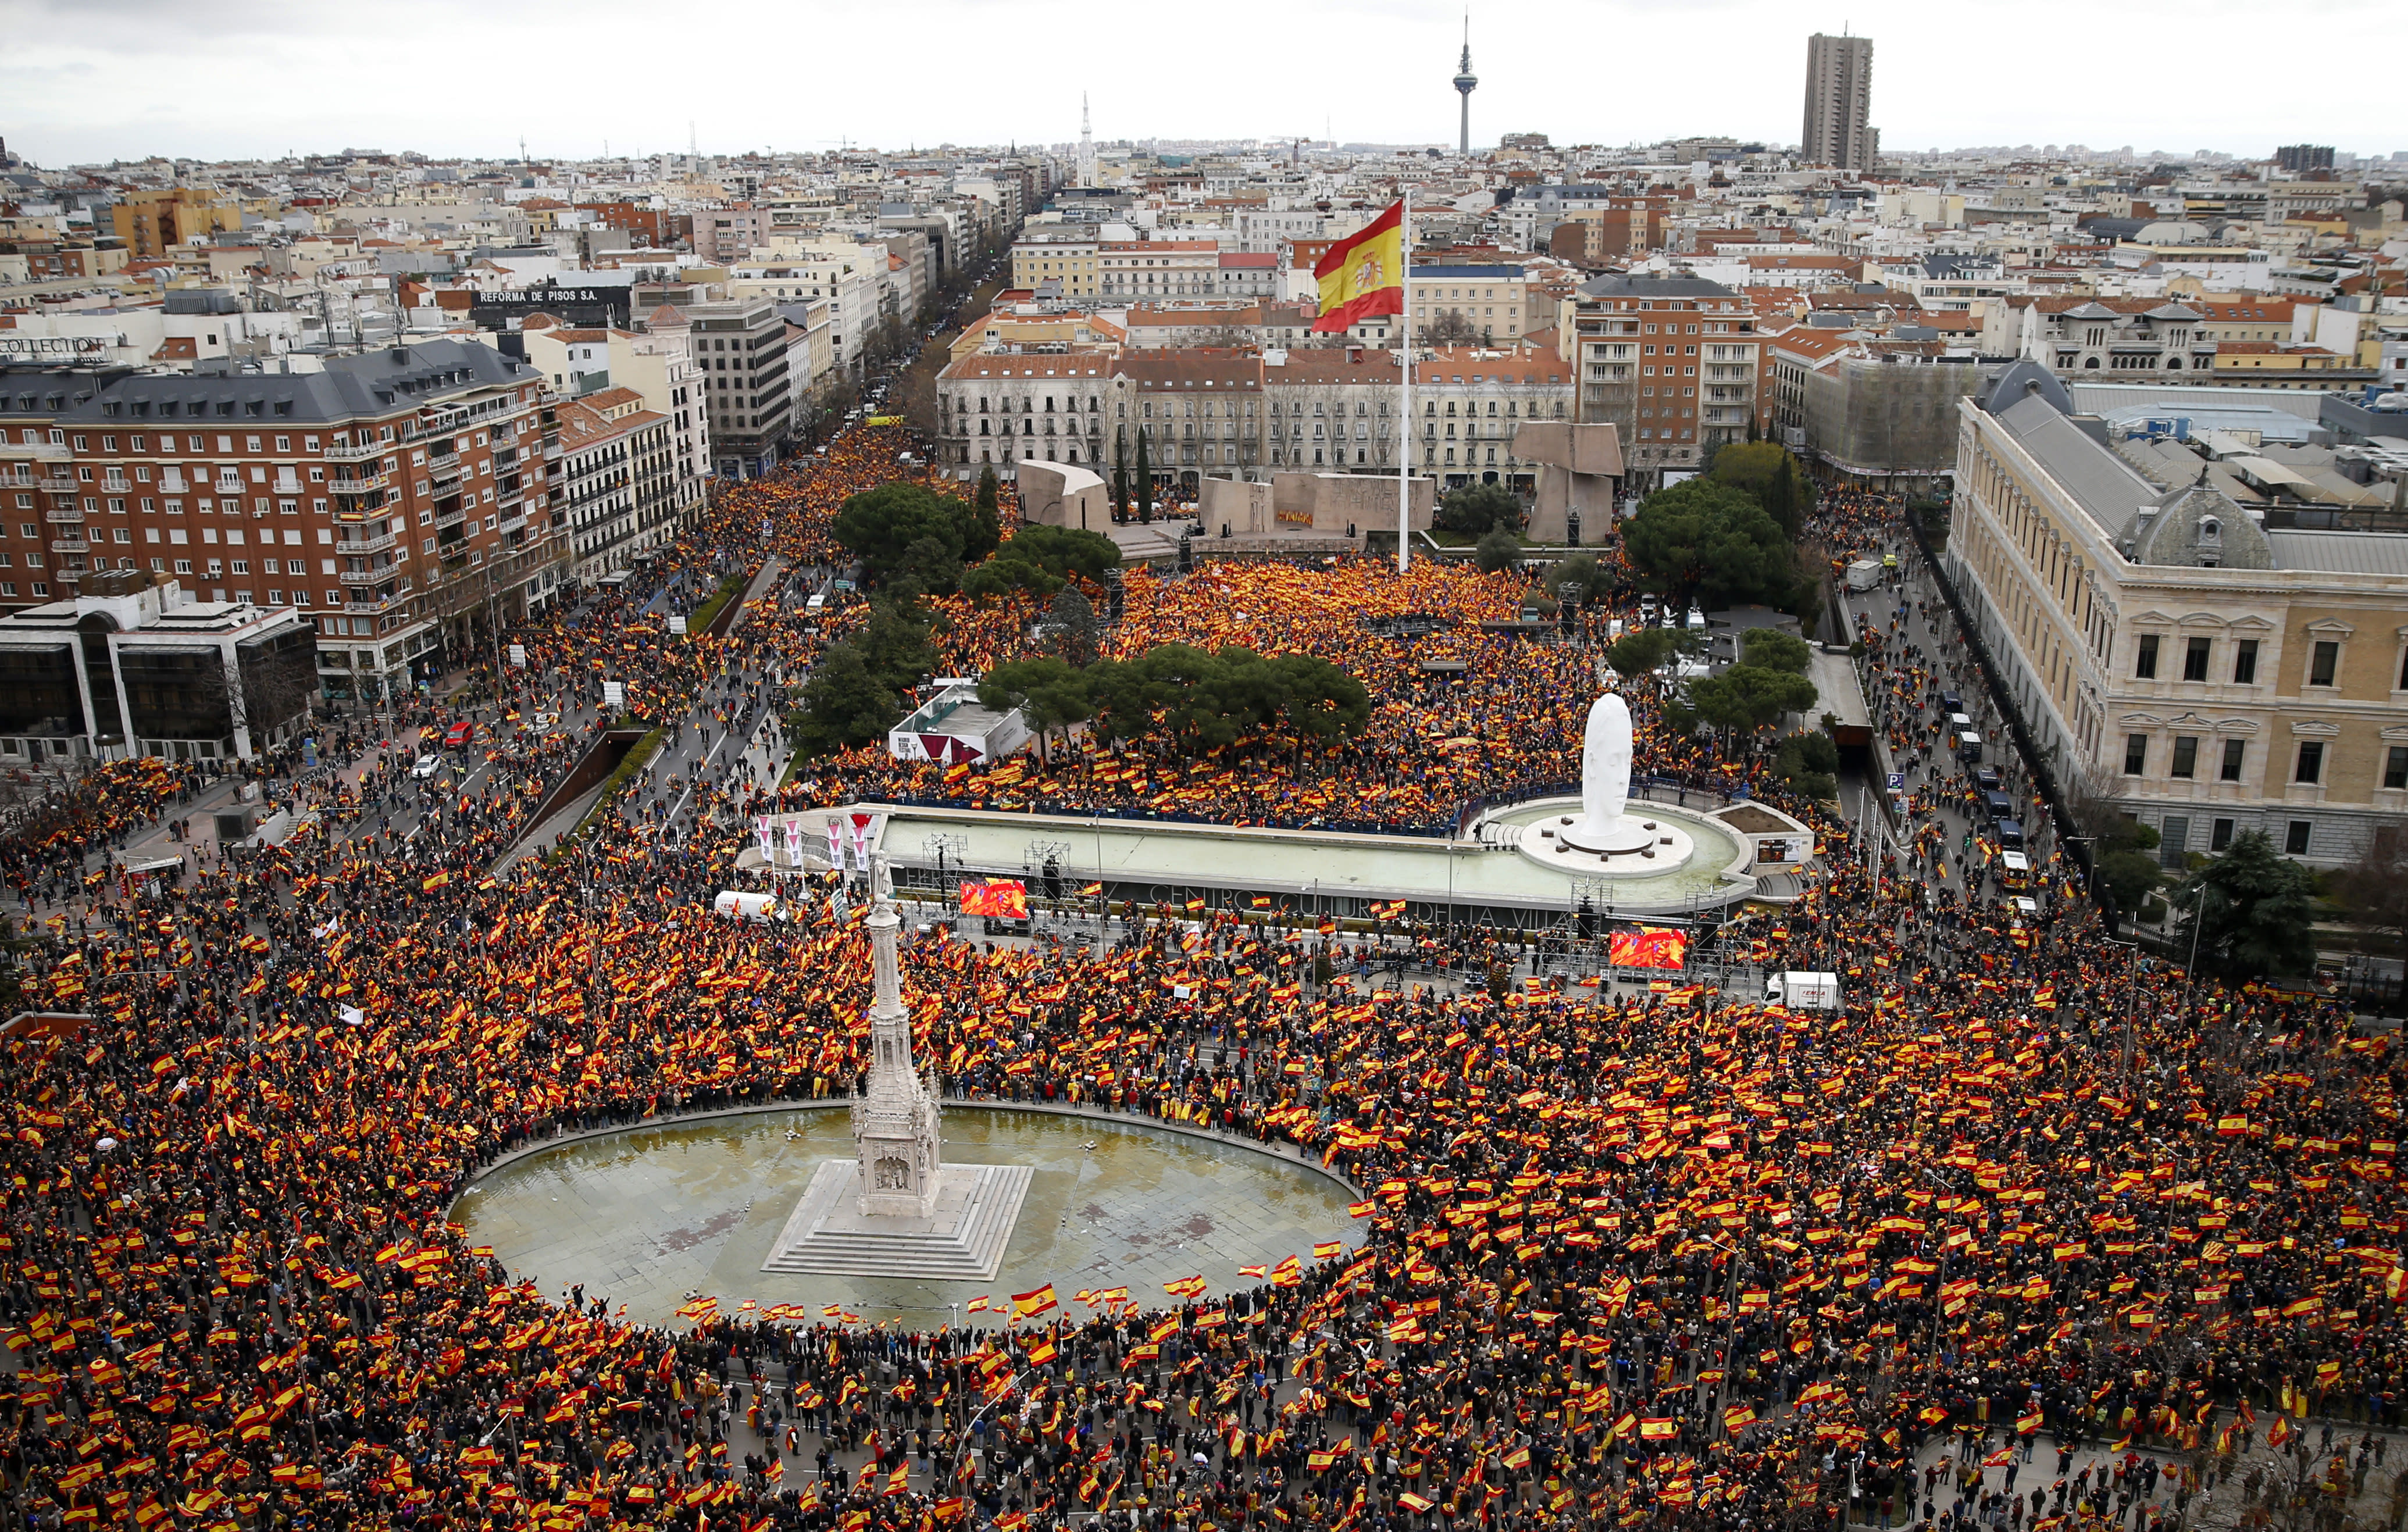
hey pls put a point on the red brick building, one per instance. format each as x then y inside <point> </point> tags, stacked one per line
<point>398,498</point>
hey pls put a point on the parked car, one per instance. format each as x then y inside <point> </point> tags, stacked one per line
<point>1951,703</point>
<point>458,733</point>
<point>427,765</point>
<point>1987,779</point>
<point>1998,806</point>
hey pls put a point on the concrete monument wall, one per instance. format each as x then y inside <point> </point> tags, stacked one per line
<point>1064,494</point>
<point>1580,474</point>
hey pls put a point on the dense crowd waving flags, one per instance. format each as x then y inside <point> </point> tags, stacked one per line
<point>1363,274</point>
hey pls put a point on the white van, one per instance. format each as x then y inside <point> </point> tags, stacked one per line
<point>734,905</point>
<point>1697,620</point>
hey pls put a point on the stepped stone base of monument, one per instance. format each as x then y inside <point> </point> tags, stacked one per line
<point>961,1240</point>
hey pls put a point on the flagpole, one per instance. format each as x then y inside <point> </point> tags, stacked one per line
<point>1405,458</point>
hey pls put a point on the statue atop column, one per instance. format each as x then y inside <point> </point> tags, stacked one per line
<point>894,1122</point>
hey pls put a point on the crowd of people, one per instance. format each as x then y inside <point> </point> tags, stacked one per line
<point>1678,1260</point>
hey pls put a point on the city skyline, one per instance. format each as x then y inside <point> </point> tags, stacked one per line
<point>91,83</point>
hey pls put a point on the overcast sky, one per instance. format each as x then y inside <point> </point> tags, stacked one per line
<point>85,80</point>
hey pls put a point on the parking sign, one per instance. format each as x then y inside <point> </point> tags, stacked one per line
<point>1898,782</point>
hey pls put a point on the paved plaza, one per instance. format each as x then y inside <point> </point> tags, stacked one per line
<point>647,1216</point>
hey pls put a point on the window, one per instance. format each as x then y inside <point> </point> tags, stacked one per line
<point>2310,766</point>
<point>2145,669</point>
<point>2219,835</point>
<point>2245,663</point>
<point>2395,766</point>
<point>2174,838</point>
<point>2185,756</point>
<point>2136,754</point>
<point>2322,663</point>
<point>2233,751</point>
<point>2295,838</point>
<point>2195,659</point>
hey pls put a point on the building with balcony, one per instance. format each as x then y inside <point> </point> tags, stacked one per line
<point>389,496</point>
<point>616,480</point>
<point>1669,359</point>
<point>2207,665</point>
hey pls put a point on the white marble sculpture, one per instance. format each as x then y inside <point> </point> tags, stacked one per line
<point>1604,827</point>
<point>1605,761</point>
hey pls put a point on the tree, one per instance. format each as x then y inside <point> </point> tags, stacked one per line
<point>2249,913</point>
<point>1120,472</point>
<point>1076,629</point>
<point>916,394</point>
<point>1144,479</point>
<point>1809,763</point>
<point>1452,328</point>
<point>844,704</point>
<point>1051,694</point>
<point>894,642</point>
<point>1769,474</point>
<point>1746,697</point>
<point>1038,559</point>
<point>1700,541</point>
<point>2124,868</point>
<point>1210,700</point>
<point>1475,508</point>
<point>1592,582</point>
<point>932,565</point>
<point>1644,650</point>
<point>1496,550</point>
<point>880,526</point>
<point>2372,893</point>
<point>1773,650</point>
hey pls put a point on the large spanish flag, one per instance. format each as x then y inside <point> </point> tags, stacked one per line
<point>1364,274</point>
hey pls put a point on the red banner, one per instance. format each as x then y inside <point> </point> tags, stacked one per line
<point>1647,947</point>
<point>1005,898</point>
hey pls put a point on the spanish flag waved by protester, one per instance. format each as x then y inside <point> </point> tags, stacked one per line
<point>1363,274</point>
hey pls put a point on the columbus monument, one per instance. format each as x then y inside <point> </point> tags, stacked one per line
<point>896,1208</point>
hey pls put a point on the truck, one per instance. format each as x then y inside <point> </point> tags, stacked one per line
<point>735,904</point>
<point>1802,990</point>
<point>1864,574</point>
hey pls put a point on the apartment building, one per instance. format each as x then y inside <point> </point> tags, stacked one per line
<point>740,346</point>
<point>1148,271</point>
<point>1472,400</point>
<point>2204,667</point>
<point>996,409</point>
<point>1839,104</point>
<point>152,223</point>
<point>1669,359</point>
<point>397,497</point>
<point>852,280</point>
<point>654,359</point>
<point>1037,259</point>
<point>1246,277</point>
<point>1458,304</point>
<point>726,235</point>
<point>615,480</point>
